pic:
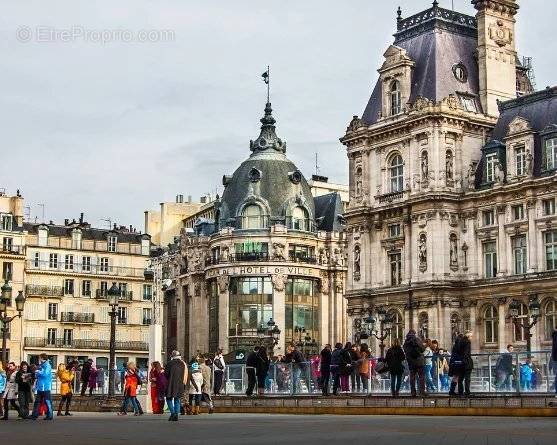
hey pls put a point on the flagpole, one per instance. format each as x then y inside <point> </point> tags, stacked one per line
<point>268,84</point>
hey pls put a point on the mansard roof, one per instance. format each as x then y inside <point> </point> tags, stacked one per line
<point>328,212</point>
<point>436,40</point>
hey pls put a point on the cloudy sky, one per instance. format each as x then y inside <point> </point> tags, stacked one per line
<point>111,128</point>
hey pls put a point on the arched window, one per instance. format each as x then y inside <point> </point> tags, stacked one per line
<point>519,332</point>
<point>491,325</point>
<point>550,313</point>
<point>299,219</point>
<point>397,330</point>
<point>252,217</point>
<point>396,169</point>
<point>396,100</point>
<point>423,325</point>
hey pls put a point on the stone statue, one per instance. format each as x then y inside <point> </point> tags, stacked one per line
<point>529,164</point>
<point>279,281</point>
<point>422,252</point>
<point>322,256</point>
<point>225,253</point>
<point>278,251</point>
<point>472,176</point>
<point>453,250</point>
<point>325,284</point>
<point>449,168</point>
<point>425,166</point>
<point>499,173</point>
<point>357,263</point>
<point>222,282</point>
<point>337,261</point>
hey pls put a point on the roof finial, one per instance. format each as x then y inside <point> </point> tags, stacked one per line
<point>267,79</point>
<point>399,14</point>
<point>435,3</point>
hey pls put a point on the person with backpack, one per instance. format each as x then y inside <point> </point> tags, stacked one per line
<point>414,351</point>
<point>219,367</point>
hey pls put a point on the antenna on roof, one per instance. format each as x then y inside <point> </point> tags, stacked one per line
<point>267,79</point>
<point>109,221</point>
<point>42,207</point>
<point>317,169</point>
<point>27,213</point>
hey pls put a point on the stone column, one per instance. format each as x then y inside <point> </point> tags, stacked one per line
<point>181,323</point>
<point>502,332</point>
<point>532,241</point>
<point>224,305</point>
<point>324,310</point>
<point>279,309</point>
<point>155,355</point>
<point>502,241</point>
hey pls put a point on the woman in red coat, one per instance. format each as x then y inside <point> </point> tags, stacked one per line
<point>131,384</point>
<point>157,380</point>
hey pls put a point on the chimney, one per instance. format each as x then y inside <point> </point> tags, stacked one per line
<point>496,52</point>
<point>203,200</point>
<point>66,221</point>
<point>189,199</point>
<point>81,218</point>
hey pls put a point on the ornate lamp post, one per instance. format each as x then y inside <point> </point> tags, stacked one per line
<point>379,327</point>
<point>5,299</point>
<point>527,324</point>
<point>113,299</point>
<point>271,332</point>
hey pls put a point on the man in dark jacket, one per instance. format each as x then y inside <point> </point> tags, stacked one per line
<point>466,354</point>
<point>504,370</point>
<point>84,377</point>
<point>251,368</point>
<point>296,358</point>
<point>414,351</point>
<point>341,363</point>
<point>325,369</point>
<point>176,375</point>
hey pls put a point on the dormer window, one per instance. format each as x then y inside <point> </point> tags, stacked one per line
<point>299,220</point>
<point>76,239</point>
<point>396,98</point>
<point>252,217</point>
<point>6,222</point>
<point>550,153</point>
<point>112,242</point>
<point>396,170</point>
<point>43,237</point>
<point>490,162</point>
<point>520,158</point>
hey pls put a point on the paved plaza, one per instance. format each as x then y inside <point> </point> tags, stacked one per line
<point>85,429</point>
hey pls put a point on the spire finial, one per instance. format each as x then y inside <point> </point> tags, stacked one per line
<point>267,79</point>
<point>399,14</point>
<point>435,3</point>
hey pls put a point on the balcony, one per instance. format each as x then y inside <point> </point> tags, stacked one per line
<point>103,295</point>
<point>87,269</point>
<point>11,250</point>
<point>33,290</point>
<point>103,345</point>
<point>306,259</point>
<point>260,257</point>
<point>75,317</point>
<point>390,197</point>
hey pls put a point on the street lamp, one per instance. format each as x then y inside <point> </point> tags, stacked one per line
<point>527,324</point>
<point>5,299</point>
<point>271,332</point>
<point>369,327</point>
<point>113,300</point>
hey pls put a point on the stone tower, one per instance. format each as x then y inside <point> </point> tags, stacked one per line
<point>496,52</point>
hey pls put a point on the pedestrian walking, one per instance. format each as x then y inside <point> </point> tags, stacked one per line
<point>554,356</point>
<point>394,360</point>
<point>92,383</point>
<point>131,384</point>
<point>66,375</point>
<point>341,365</point>
<point>157,382</point>
<point>325,369</point>
<point>177,376</point>
<point>24,379</point>
<point>43,386</point>
<point>428,367</point>
<point>219,367</point>
<point>414,352</point>
<point>3,381</point>
<point>348,370</point>
<point>355,380</point>
<point>251,371</point>
<point>10,390</point>
<point>262,369</point>
<point>443,370</point>
<point>195,384</point>
<point>207,385</point>
<point>461,365</point>
<point>296,361</point>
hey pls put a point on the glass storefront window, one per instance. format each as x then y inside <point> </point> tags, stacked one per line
<point>302,310</point>
<point>251,304</point>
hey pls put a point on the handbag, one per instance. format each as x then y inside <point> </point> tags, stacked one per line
<point>381,367</point>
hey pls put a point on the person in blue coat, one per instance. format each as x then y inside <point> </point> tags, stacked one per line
<point>43,385</point>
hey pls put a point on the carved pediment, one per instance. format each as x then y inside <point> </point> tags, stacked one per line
<point>395,56</point>
<point>519,125</point>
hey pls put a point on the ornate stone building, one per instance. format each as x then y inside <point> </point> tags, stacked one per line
<point>452,183</point>
<point>272,251</point>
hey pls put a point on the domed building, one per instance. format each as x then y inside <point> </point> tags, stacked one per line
<point>269,256</point>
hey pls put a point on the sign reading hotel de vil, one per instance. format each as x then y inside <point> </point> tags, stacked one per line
<point>263,270</point>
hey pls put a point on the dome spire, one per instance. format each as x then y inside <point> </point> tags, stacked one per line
<point>268,139</point>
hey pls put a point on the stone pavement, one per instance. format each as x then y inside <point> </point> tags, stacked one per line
<point>247,429</point>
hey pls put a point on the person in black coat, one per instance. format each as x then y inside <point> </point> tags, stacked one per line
<point>262,369</point>
<point>325,369</point>
<point>554,355</point>
<point>251,370</point>
<point>466,354</point>
<point>84,377</point>
<point>504,370</point>
<point>395,363</point>
<point>414,350</point>
<point>341,364</point>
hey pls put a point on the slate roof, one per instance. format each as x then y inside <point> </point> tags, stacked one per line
<point>87,233</point>
<point>273,185</point>
<point>328,212</point>
<point>436,40</point>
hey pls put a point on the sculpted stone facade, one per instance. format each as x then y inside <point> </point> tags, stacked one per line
<point>455,215</point>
